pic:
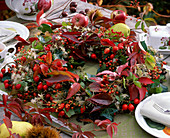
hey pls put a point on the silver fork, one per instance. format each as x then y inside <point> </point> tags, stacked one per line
<point>161,109</point>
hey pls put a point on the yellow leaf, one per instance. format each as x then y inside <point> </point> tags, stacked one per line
<point>99,2</point>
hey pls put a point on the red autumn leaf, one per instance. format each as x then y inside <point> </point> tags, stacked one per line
<point>16,111</point>
<point>86,120</point>
<point>47,114</point>
<point>108,73</point>
<point>5,99</point>
<point>145,80</point>
<point>44,70</point>
<point>33,39</point>
<point>109,130</point>
<point>31,25</point>
<point>133,91</point>
<point>96,108</point>
<point>114,125</point>
<point>70,35</point>
<point>45,21</point>
<point>125,73</point>
<point>59,78</point>
<point>142,92</point>
<point>131,55</point>
<point>75,127</point>
<point>89,134</point>
<point>56,73</point>
<point>24,42</point>
<point>7,122</point>
<point>73,75</point>
<point>107,42</point>
<point>54,26</point>
<point>75,87</point>
<point>121,68</point>
<point>104,122</point>
<point>101,99</point>
<point>54,63</point>
<point>49,58</point>
<point>38,16</point>
<point>95,86</point>
<point>7,113</point>
<point>133,60</point>
<point>97,79</point>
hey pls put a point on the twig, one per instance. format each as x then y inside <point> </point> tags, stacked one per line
<point>58,8</point>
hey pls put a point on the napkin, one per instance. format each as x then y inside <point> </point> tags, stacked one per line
<point>6,35</point>
<point>148,110</point>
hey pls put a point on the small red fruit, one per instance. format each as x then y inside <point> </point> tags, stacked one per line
<point>112,56</point>
<point>107,51</point>
<point>47,96</point>
<point>164,62</point>
<point>6,85</point>
<point>3,70</point>
<point>82,109</point>
<point>136,101</point>
<point>93,56</point>
<point>124,107</point>
<point>58,86</point>
<point>40,87</point>
<point>61,114</point>
<point>67,107</point>
<point>120,46</point>
<point>18,86</point>
<point>1,75</point>
<point>115,49</point>
<point>131,107</point>
<point>61,106</point>
<point>45,87</point>
<point>36,78</point>
<point>6,81</point>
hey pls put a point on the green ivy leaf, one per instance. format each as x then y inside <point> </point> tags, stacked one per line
<point>155,90</point>
<point>124,83</point>
<point>134,78</point>
<point>109,113</point>
<point>64,24</point>
<point>142,26</point>
<point>137,24</point>
<point>150,61</point>
<point>138,84</point>
<point>144,45</point>
<point>153,124</point>
<point>39,46</point>
<point>150,22</point>
<point>130,76</point>
<point>45,27</point>
<point>69,113</point>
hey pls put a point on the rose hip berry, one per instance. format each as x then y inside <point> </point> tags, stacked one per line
<point>3,70</point>
<point>131,107</point>
<point>6,85</point>
<point>1,75</point>
<point>93,56</point>
<point>61,114</point>
<point>124,107</point>
<point>36,78</point>
<point>18,86</point>
<point>136,101</point>
<point>45,87</point>
<point>40,87</point>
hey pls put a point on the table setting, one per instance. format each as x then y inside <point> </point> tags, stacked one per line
<point>71,69</point>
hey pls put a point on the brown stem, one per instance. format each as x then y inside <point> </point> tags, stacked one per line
<point>59,7</point>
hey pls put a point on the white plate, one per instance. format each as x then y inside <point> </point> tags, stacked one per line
<point>20,28</point>
<point>142,123</point>
<point>9,60</point>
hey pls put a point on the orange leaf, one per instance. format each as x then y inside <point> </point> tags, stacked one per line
<point>49,58</point>
<point>55,72</point>
<point>73,75</point>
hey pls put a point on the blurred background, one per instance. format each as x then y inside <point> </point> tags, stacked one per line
<point>160,8</point>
